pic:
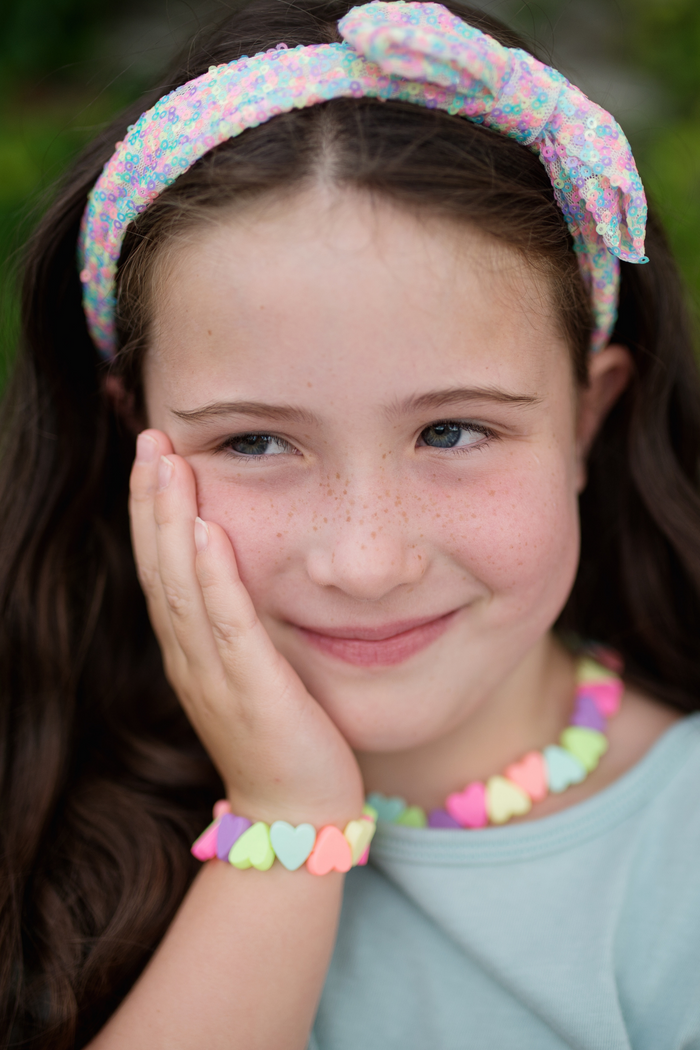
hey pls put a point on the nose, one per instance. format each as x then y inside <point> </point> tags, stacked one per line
<point>366,558</point>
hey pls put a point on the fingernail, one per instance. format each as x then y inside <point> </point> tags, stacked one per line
<point>146,448</point>
<point>165,472</point>
<point>201,535</point>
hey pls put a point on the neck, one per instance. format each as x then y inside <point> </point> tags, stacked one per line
<point>527,711</point>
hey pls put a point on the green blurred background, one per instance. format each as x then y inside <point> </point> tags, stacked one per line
<point>67,66</point>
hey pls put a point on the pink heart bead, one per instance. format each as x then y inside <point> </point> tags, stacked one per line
<point>530,775</point>
<point>468,807</point>
<point>605,695</point>
<point>205,846</point>
<point>221,807</point>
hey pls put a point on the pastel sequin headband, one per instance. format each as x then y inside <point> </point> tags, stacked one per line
<point>412,52</point>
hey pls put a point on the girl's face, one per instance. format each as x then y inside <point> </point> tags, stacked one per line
<point>380,411</point>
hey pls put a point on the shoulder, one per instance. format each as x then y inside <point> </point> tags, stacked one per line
<point>658,928</point>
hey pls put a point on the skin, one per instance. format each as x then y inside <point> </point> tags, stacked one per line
<point>359,326</point>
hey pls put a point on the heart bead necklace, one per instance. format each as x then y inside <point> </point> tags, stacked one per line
<point>511,794</point>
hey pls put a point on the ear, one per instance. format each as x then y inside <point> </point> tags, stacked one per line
<point>609,372</point>
<point>122,401</point>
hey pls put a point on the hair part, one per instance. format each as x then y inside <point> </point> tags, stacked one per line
<point>103,783</point>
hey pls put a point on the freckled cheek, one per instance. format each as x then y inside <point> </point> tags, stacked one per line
<point>263,526</point>
<point>513,534</point>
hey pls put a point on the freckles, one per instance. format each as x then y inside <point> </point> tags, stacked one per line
<point>513,535</point>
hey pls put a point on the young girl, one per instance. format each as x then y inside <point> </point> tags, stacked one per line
<point>415,477</point>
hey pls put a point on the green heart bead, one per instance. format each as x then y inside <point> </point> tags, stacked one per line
<point>587,745</point>
<point>412,817</point>
<point>253,849</point>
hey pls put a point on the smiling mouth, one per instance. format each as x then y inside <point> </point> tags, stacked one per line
<point>378,646</point>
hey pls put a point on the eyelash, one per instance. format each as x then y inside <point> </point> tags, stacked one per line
<point>225,446</point>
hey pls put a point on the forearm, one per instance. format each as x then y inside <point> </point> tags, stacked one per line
<point>242,965</point>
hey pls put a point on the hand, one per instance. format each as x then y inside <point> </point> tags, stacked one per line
<point>278,753</point>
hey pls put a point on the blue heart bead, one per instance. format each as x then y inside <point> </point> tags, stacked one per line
<point>562,768</point>
<point>388,809</point>
<point>292,845</point>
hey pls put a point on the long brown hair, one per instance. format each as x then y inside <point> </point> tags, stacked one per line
<point>103,782</point>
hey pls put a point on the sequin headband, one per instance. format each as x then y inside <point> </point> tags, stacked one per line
<point>412,52</point>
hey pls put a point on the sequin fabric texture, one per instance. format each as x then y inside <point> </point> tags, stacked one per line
<point>412,52</point>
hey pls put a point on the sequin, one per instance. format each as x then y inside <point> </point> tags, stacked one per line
<point>411,52</point>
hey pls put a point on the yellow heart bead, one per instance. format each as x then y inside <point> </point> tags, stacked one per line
<point>588,670</point>
<point>253,849</point>
<point>359,834</point>
<point>504,800</point>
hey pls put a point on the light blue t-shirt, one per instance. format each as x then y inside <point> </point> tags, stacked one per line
<point>578,930</point>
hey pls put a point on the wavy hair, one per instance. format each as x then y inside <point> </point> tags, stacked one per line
<point>103,783</point>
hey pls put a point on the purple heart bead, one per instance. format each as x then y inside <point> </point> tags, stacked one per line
<point>230,829</point>
<point>440,818</point>
<point>587,713</point>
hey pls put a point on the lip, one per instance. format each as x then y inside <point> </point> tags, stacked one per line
<point>378,646</point>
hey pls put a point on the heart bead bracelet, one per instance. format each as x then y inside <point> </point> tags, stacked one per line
<point>598,693</point>
<point>511,794</point>
<point>256,845</point>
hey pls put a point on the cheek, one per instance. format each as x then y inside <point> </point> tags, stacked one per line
<point>260,521</point>
<point>515,530</point>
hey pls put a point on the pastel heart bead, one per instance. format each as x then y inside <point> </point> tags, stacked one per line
<point>530,775</point>
<point>412,817</point>
<point>253,849</point>
<point>204,848</point>
<point>563,769</point>
<point>587,713</point>
<point>440,818</point>
<point>505,800</point>
<point>230,830</point>
<point>387,809</point>
<point>221,807</point>
<point>605,695</point>
<point>359,834</point>
<point>589,670</point>
<point>292,845</point>
<point>363,859</point>
<point>607,658</point>
<point>331,852</point>
<point>587,745</point>
<point>468,807</point>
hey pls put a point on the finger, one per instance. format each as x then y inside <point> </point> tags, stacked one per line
<point>175,510</point>
<point>150,446</point>
<point>252,664</point>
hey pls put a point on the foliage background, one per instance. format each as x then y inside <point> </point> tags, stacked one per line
<point>67,66</point>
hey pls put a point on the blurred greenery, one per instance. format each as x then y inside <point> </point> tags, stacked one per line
<point>67,66</point>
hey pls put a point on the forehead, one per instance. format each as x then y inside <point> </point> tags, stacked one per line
<point>329,289</point>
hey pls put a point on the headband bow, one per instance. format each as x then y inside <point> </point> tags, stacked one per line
<point>413,52</point>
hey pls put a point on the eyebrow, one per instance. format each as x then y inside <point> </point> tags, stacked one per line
<point>435,399</point>
<point>221,409</point>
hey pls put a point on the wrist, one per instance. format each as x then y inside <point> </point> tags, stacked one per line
<point>251,842</point>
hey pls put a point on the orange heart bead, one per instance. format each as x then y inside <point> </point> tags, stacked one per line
<point>530,775</point>
<point>331,852</point>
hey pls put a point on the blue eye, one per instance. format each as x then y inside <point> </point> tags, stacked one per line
<point>258,445</point>
<point>449,434</point>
